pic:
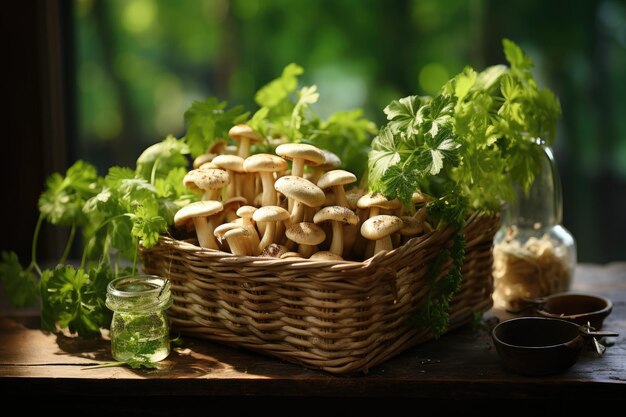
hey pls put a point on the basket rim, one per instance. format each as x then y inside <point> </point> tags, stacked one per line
<point>229,258</point>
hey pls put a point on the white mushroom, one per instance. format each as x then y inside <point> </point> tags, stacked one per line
<point>337,179</point>
<point>266,165</point>
<point>379,228</point>
<point>198,212</point>
<point>302,192</point>
<point>245,136</point>
<point>269,215</point>
<point>338,216</point>
<point>208,181</point>
<point>300,154</point>
<point>307,236</point>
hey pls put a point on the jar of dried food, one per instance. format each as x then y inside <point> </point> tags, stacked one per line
<point>534,255</point>
<point>139,328</point>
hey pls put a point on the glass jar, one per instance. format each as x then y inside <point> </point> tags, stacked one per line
<point>534,255</point>
<point>139,328</point>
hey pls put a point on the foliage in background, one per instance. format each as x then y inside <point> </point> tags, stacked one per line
<point>141,63</point>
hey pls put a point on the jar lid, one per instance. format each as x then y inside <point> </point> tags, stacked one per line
<point>139,293</point>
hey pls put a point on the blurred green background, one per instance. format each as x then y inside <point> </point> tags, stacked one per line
<point>138,64</point>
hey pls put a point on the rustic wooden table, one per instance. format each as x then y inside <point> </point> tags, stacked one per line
<point>461,365</point>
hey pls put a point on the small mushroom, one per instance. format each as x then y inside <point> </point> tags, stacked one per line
<point>238,239</point>
<point>375,202</point>
<point>303,192</point>
<point>231,206</point>
<point>208,181</point>
<point>234,165</point>
<point>290,255</point>
<point>331,161</point>
<point>274,250</point>
<point>245,136</point>
<point>198,212</point>
<point>307,236</point>
<point>380,228</point>
<point>337,179</point>
<point>203,159</point>
<point>269,215</point>
<point>246,213</point>
<point>266,165</point>
<point>325,256</point>
<point>300,154</point>
<point>220,231</point>
<point>338,216</point>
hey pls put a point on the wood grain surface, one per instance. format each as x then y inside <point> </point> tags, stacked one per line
<point>460,365</point>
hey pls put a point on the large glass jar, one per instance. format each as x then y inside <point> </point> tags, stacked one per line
<point>534,255</point>
<point>139,328</point>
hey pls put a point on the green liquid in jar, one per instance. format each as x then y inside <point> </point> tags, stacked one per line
<point>140,337</point>
<point>139,328</point>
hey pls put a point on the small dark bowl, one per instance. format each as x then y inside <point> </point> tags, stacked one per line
<point>537,346</point>
<point>577,308</point>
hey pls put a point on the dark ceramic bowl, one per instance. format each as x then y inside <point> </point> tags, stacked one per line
<point>578,308</point>
<point>537,346</point>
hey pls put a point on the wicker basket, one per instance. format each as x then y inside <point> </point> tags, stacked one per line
<point>338,316</point>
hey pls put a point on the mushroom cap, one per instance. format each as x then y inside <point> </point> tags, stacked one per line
<point>325,256</point>
<point>234,201</point>
<point>203,159</point>
<point>246,211</point>
<point>244,131</point>
<point>290,255</point>
<point>331,160</point>
<point>274,250</point>
<point>337,214</point>
<point>353,196</point>
<point>305,233</point>
<point>237,232</point>
<point>419,197</point>
<point>377,227</point>
<point>378,200</point>
<point>270,214</point>
<point>197,209</point>
<point>206,179</point>
<point>208,165</point>
<point>411,226</point>
<point>230,162</point>
<point>264,162</point>
<point>336,177</point>
<point>303,190</point>
<point>220,231</point>
<point>311,155</point>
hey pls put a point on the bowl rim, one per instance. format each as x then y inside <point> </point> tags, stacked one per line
<point>606,310</point>
<point>499,341</point>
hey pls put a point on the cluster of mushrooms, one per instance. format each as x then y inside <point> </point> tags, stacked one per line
<point>253,205</point>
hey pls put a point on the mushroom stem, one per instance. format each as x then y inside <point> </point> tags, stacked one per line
<point>204,231</point>
<point>383,244</point>
<point>336,245</point>
<point>269,194</point>
<point>213,194</point>
<point>307,250</point>
<point>298,212</point>
<point>268,236</point>
<point>297,167</point>
<point>340,196</point>
<point>244,147</point>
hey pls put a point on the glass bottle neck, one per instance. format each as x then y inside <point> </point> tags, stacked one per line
<point>541,207</point>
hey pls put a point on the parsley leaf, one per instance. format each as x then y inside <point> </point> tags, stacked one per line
<point>19,284</point>
<point>209,121</point>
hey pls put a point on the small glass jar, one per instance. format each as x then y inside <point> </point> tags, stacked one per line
<point>139,329</point>
<point>534,255</point>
